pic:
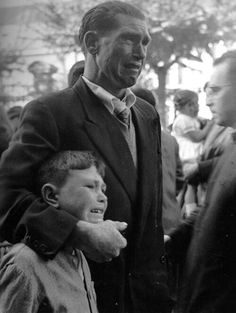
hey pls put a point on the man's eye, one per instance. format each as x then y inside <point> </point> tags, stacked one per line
<point>90,186</point>
<point>214,89</point>
<point>128,41</point>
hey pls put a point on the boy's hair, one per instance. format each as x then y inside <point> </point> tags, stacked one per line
<point>183,97</point>
<point>101,18</point>
<point>56,168</point>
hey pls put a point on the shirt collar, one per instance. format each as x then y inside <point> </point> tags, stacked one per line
<point>112,103</point>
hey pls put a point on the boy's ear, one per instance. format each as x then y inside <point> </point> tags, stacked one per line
<point>49,194</point>
<point>91,42</point>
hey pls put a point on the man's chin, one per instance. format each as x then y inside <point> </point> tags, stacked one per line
<point>130,81</point>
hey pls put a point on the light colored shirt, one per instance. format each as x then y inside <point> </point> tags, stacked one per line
<point>30,284</point>
<point>112,103</point>
<point>115,106</point>
<point>189,151</point>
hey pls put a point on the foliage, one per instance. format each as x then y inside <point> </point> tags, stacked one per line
<point>9,57</point>
<point>180,29</point>
<point>60,23</point>
<point>186,28</point>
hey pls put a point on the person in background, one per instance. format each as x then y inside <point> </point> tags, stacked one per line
<point>5,130</point>
<point>210,274</point>
<point>101,114</point>
<point>189,135</point>
<point>70,181</point>
<point>75,72</point>
<point>216,141</point>
<point>14,116</point>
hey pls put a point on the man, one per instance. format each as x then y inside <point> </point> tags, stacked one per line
<point>210,274</point>
<point>114,38</point>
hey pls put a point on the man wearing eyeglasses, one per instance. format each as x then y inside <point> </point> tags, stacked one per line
<point>209,285</point>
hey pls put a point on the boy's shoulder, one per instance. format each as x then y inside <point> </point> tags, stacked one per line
<point>20,256</point>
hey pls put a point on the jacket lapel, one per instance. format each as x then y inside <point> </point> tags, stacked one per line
<point>103,130</point>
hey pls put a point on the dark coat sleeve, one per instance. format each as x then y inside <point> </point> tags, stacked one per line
<point>178,245</point>
<point>23,214</point>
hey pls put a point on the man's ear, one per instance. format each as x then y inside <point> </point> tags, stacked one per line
<point>49,194</point>
<point>91,42</point>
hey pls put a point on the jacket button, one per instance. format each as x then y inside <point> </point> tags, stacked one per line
<point>35,243</point>
<point>43,248</point>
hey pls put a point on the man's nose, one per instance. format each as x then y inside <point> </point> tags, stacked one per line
<point>209,101</point>
<point>140,51</point>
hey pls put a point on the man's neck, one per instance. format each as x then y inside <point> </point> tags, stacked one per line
<point>118,93</point>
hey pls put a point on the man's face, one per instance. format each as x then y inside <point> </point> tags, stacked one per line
<point>221,95</point>
<point>121,54</point>
<point>83,195</point>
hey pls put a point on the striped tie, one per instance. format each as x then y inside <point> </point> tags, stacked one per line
<point>124,116</point>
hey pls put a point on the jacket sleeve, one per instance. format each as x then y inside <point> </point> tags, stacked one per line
<point>18,291</point>
<point>23,214</point>
<point>178,245</point>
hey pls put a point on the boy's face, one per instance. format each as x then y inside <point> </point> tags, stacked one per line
<point>83,195</point>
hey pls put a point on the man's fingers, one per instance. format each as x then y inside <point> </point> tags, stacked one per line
<point>120,226</point>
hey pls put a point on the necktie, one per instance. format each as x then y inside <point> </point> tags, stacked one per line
<point>123,116</point>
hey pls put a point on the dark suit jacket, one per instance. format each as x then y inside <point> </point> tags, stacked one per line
<point>74,119</point>
<point>210,282</point>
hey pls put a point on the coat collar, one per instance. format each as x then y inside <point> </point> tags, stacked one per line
<point>103,130</point>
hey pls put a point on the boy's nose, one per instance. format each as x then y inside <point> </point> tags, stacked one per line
<point>102,197</point>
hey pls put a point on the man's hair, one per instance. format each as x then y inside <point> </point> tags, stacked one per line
<point>145,94</point>
<point>183,97</point>
<point>102,18</point>
<point>56,168</point>
<point>230,58</point>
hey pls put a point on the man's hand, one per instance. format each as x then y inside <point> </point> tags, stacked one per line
<point>190,170</point>
<point>100,242</point>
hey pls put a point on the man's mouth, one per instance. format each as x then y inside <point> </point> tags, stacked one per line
<point>133,66</point>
